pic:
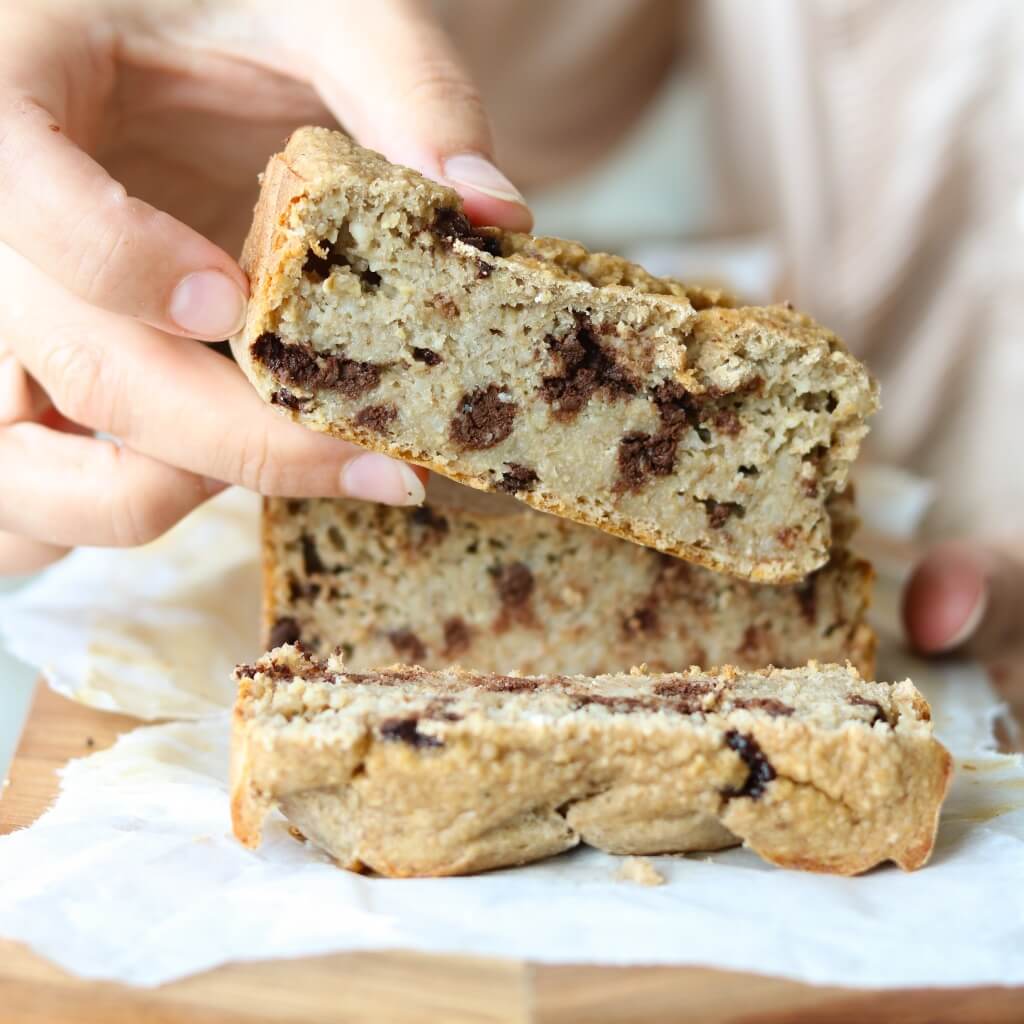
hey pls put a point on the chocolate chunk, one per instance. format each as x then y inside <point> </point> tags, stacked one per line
<point>300,366</point>
<point>311,561</point>
<point>677,408</point>
<point>427,518</point>
<point>749,471</point>
<point>483,268</point>
<point>452,225</point>
<point>350,377</point>
<point>807,597</point>
<point>773,707</point>
<point>427,356</point>
<point>517,478</point>
<point>879,716</point>
<point>727,422</point>
<point>288,400</point>
<point>482,419</point>
<point>407,644</point>
<point>514,584</point>
<point>457,636</point>
<point>294,363</point>
<point>759,769</point>
<point>284,631</point>
<point>720,512</point>
<point>377,418</point>
<point>320,266</point>
<point>298,591</point>
<point>642,456</point>
<point>641,621</point>
<point>753,639</point>
<point>406,730</point>
<point>586,368</point>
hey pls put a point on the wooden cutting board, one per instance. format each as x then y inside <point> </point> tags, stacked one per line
<point>401,988</point>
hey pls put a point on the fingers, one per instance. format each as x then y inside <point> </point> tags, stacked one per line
<point>62,211</point>
<point>181,404</point>
<point>64,490</point>
<point>22,555</point>
<point>390,74</point>
<point>20,397</point>
<point>967,598</point>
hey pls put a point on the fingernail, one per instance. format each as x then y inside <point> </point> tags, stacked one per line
<point>479,174</point>
<point>970,624</point>
<point>377,478</point>
<point>208,304</point>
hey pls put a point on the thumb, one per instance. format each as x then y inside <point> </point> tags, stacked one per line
<point>967,598</point>
<point>390,74</point>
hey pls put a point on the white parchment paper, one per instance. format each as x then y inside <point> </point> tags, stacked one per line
<point>133,874</point>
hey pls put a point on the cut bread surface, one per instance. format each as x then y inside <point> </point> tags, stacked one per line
<point>485,581</point>
<point>410,772</point>
<point>574,381</point>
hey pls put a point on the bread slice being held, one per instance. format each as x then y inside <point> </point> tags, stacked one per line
<point>575,381</point>
<point>409,772</point>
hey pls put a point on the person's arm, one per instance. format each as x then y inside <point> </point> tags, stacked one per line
<point>124,128</point>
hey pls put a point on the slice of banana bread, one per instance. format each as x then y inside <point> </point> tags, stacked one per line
<point>574,381</point>
<point>484,581</point>
<point>409,772</point>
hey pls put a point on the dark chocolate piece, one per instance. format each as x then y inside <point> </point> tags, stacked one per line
<point>406,730</point>
<point>586,368</point>
<point>284,631</point>
<point>427,356</point>
<point>452,225</point>
<point>759,769</point>
<point>377,418</point>
<point>407,644</point>
<point>482,419</point>
<point>517,478</point>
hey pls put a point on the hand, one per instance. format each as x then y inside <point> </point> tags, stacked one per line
<point>131,134</point>
<point>968,598</point>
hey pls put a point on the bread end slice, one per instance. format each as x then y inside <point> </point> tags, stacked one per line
<point>408,772</point>
<point>574,381</point>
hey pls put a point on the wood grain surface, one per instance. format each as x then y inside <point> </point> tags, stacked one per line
<point>403,988</point>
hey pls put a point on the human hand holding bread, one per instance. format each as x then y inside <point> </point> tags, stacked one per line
<point>131,135</point>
